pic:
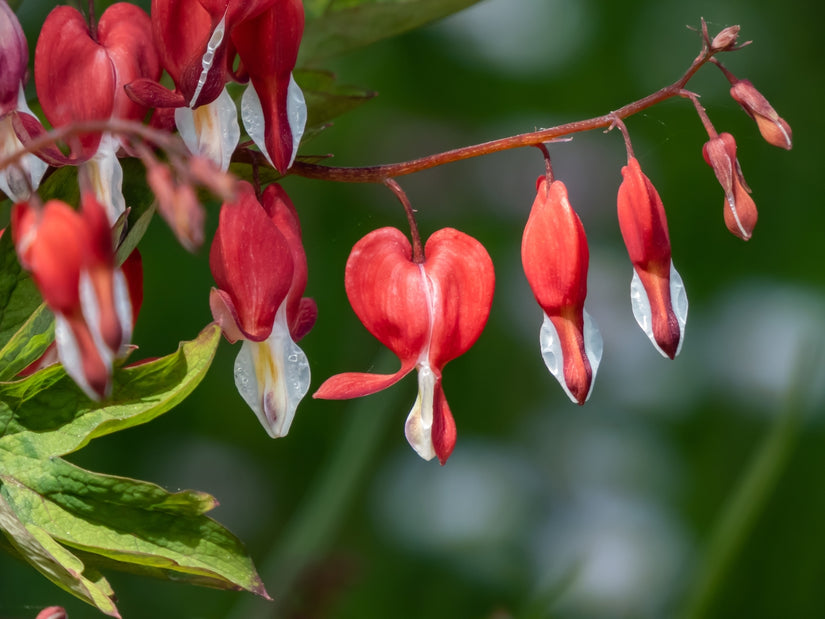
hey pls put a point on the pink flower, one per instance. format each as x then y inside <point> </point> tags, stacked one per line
<point>656,292</point>
<point>71,259</point>
<point>555,259</point>
<point>426,313</point>
<point>258,262</point>
<point>80,76</point>
<point>18,180</point>
<point>739,209</point>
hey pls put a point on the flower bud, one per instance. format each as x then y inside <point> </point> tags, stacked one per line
<point>555,258</point>
<point>772,127</point>
<point>725,40</point>
<point>739,209</point>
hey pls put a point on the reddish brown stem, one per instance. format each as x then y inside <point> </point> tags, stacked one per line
<point>418,249</point>
<point>378,174</point>
<point>162,139</point>
<point>619,124</point>
<point>703,115</point>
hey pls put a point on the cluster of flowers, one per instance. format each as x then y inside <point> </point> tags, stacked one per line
<point>428,304</point>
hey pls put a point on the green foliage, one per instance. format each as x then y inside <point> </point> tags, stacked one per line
<point>49,508</point>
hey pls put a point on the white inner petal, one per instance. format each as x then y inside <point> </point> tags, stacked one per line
<point>69,354</point>
<point>643,314</point>
<point>209,57</point>
<point>90,308</point>
<point>273,377</point>
<point>296,110</point>
<point>419,426</point>
<point>106,176</point>
<point>18,180</point>
<point>211,130</point>
<point>679,302</point>
<point>123,308</point>
<point>551,351</point>
<point>252,115</point>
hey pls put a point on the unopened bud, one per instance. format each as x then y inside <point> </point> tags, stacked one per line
<point>725,40</point>
<point>772,126</point>
<point>53,612</point>
<point>207,173</point>
<point>178,205</point>
<point>739,209</point>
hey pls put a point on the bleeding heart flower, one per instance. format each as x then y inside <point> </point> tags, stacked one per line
<point>555,258</point>
<point>18,180</point>
<point>197,44</point>
<point>71,259</point>
<point>427,313</point>
<point>273,108</point>
<point>259,264</point>
<point>80,76</point>
<point>657,293</point>
<point>739,209</point>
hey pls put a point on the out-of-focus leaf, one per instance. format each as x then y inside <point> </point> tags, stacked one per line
<point>337,26</point>
<point>327,99</point>
<point>123,523</point>
<point>51,559</point>
<point>61,185</point>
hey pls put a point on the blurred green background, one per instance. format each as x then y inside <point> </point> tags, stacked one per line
<point>682,489</point>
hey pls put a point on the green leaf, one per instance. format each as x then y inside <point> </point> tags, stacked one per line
<point>337,26</point>
<point>27,344</point>
<point>50,558</point>
<point>61,185</point>
<point>65,520</point>
<point>327,99</point>
<point>48,415</point>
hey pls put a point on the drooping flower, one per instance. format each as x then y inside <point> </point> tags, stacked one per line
<point>132,269</point>
<point>258,262</point>
<point>771,125</point>
<point>80,76</point>
<point>198,41</point>
<point>739,208</point>
<point>273,107</point>
<point>657,293</point>
<point>555,258</point>
<point>18,180</point>
<point>426,313</point>
<point>71,259</point>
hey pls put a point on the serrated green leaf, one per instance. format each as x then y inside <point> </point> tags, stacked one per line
<point>337,26</point>
<point>134,525</point>
<point>54,418</point>
<point>327,99</point>
<point>51,559</point>
<point>58,513</point>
